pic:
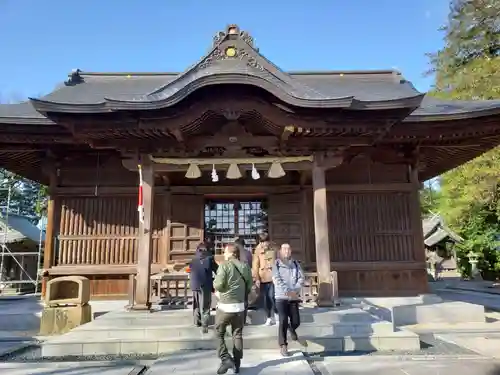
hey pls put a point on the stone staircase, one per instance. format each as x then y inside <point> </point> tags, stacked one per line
<point>163,332</point>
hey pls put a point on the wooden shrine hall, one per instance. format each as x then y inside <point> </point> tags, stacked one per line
<point>330,162</point>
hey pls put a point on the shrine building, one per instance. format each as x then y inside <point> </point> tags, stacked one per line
<point>328,161</point>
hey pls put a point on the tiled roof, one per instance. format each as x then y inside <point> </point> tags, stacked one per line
<point>19,228</point>
<point>435,231</point>
<point>105,92</point>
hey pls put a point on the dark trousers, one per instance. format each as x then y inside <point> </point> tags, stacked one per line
<point>236,321</point>
<point>267,295</point>
<point>202,301</point>
<point>246,311</point>
<point>289,319</point>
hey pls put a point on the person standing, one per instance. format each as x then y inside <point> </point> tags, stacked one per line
<point>262,272</point>
<point>288,280</point>
<point>233,283</point>
<point>245,256</point>
<point>202,268</point>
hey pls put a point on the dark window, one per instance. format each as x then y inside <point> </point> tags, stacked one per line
<point>226,219</point>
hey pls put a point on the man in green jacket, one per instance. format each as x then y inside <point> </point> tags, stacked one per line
<point>232,283</point>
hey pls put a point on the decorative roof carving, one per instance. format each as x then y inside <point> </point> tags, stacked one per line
<point>233,31</point>
<point>74,78</point>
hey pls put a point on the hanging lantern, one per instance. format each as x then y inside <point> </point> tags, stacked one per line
<point>215,177</point>
<point>276,170</point>
<point>193,171</point>
<point>255,173</point>
<point>233,172</point>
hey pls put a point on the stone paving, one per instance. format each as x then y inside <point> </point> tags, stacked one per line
<point>410,366</point>
<point>20,320</point>
<point>186,363</point>
<point>441,353</point>
<point>262,362</point>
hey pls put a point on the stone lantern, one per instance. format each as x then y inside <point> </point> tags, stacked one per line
<point>473,260</point>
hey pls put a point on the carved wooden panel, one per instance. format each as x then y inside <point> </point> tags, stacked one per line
<point>185,230</point>
<point>371,226</point>
<point>286,222</point>
<point>103,230</point>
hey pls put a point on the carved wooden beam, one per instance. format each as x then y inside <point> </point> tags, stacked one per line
<point>30,138</point>
<point>202,142</point>
<point>327,161</point>
<point>287,131</point>
<point>177,133</point>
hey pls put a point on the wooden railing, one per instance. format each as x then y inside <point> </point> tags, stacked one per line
<point>172,289</point>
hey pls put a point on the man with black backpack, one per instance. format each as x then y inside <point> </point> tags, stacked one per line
<point>232,283</point>
<point>288,279</point>
<point>202,268</point>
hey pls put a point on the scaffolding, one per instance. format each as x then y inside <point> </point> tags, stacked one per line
<point>6,253</point>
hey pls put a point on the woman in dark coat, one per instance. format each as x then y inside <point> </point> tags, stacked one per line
<point>202,269</point>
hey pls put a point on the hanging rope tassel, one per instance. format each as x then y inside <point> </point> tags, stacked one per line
<point>140,205</point>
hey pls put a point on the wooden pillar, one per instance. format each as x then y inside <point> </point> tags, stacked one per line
<point>145,245</point>
<point>418,234</point>
<point>53,221</point>
<point>325,290</point>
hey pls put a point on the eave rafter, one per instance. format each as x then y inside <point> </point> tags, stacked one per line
<point>267,117</point>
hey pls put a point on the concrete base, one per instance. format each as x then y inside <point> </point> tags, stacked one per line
<point>423,309</point>
<point>59,320</point>
<point>445,312</point>
<point>121,333</point>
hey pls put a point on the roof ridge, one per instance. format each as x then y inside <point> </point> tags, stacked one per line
<point>292,72</point>
<point>126,74</point>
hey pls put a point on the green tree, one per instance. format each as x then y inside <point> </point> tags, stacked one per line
<point>429,200</point>
<point>468,68</point>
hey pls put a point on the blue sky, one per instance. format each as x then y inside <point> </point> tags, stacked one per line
<point>41,41</point>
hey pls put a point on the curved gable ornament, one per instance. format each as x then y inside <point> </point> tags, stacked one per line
<point>233,59</point>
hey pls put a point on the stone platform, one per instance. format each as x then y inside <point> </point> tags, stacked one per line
<point>163,332</point>
<point>423,309</point>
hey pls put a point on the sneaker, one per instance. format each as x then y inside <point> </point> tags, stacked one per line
<point>269,322</point>
<point>284,351</point>
<point>225,366</point>
<point>277,318</point>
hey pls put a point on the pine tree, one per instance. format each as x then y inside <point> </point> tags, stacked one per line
<point>472,48</point>
<point>468,68</point>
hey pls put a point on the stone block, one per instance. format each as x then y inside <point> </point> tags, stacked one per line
<point>444,312</point>
<point>68,290</point>
<point>59,320</point>
<point>62,349</point>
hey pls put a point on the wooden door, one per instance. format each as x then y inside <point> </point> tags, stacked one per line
<point>286,222</point>
<point>185,227</point>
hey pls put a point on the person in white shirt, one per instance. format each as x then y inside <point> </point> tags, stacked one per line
<point>232,283</point>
